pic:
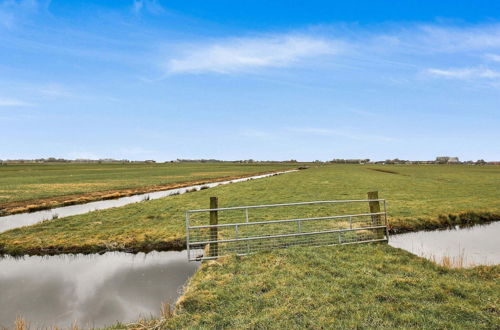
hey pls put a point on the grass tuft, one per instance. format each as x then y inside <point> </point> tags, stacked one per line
<point>20,323</point>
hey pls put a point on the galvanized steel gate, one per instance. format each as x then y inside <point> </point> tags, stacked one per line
<point>246,234</point>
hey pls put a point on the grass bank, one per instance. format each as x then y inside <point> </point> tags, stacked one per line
<point>420,197</point>
<point>31,187</point>
<point>356,286</point>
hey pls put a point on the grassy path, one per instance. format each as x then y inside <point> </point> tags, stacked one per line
<point>419,197</point>
<point>357,286</point>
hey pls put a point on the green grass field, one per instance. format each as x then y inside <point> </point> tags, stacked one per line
<point>362,286</point>
<point>31,181</point>
<point>353,286</point>
<point>418,197</point>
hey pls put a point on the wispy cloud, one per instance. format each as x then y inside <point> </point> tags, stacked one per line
<point>493,57</point>
<point>396,46</point>
<point>258,134</point>
<point>363,112</point>
<point>243,54</point>
<point>7,102</point>
<point>137,151</point>
<point>443,38</point>
<point>11,11</point>
<point>464,73</point>
<point>343,133</point>
<point>6,19</point>
<point>83,155</point>
<point>54,91</point>
<point>150,6</point>
<point>290,133</point>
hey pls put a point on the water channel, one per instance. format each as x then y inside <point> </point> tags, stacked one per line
<point>30,218</point>
<point>91,290</point>
<point>472,246</point>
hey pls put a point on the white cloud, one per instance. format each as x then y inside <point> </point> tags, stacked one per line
<point>243,54</point>
<point>6,102</point>
<point>397,46</point>
<point>464,73</point>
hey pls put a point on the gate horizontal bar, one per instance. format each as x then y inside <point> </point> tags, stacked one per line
<point>286,204</point>
<point>346,243</point>
<point>285,235</point>
<point>286,220</point>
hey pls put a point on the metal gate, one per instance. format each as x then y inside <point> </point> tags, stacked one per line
<point>253,228</point>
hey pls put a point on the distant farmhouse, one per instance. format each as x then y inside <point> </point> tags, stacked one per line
<point>447,160</point>
<point>350,161</point>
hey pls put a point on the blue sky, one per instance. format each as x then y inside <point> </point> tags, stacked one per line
<point>249,79</point>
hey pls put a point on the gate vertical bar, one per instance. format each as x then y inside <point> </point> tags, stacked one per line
<point>386,223</point>
<point>246,220</point>
<point>214,219</point>
<point>187,235</point>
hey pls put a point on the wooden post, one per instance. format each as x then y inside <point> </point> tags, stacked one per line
<point>374,208</point>
<point>214,219</point>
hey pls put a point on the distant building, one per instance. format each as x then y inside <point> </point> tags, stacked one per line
<point>447,160</point>
<point>442,159</point>
<point>350,161</point>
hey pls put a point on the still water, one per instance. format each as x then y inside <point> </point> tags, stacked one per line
<point>478,245</point>
<point>91,290</point>
<point>26,219</point>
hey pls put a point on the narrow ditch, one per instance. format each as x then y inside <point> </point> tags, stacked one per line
<point>90,290</point>
<point>30,218</point>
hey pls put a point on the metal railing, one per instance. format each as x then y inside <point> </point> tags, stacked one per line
<point>243,236</point>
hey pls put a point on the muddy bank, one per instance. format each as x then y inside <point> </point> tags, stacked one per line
<point>32,205</point>
<point>443,221</point>
<point>177,244</point>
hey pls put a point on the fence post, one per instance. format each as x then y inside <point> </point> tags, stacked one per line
<point>214,219</point>
<point>374,207</point>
